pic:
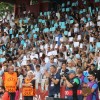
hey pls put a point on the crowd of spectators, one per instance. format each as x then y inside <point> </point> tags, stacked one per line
<point>66,36</point>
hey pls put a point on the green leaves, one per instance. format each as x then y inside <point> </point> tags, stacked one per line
<point>5,7</point>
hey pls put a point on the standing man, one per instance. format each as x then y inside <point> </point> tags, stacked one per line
<point>11,82</point>
<point>73,87</point>
<point>50,63</point>
<point>53,81</point>
<point>94,87</point>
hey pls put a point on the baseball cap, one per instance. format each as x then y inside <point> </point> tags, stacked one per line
<point>71,71</point>
<point>77,56</point>
<point>69,60</point>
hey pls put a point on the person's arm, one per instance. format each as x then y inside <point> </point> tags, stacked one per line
<point>18,82</point>
<point>69,85</point>
<point>55,81</point>
<point>47,81</point>
<point>29,84</point>
<point>94,87</point>
<point>74,83</point>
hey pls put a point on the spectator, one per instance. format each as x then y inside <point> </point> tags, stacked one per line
<point>72,86</point>
<point>29,86</point>
<point>94,87</point>
<point>38,74</point>
<point>50,63</point>
<point>70,65</point>
<point>54,82</point>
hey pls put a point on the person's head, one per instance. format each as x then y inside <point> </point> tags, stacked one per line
<point>92,67</point>
<point>10,69</point>
<point>35,60</point>
<point>88,69</point>
<point>30,74</point>
<point>5,34</point>
<point>10,62</point>
<point>28,68</point>
<point>58,32</point>
<point>71,74</point>
<point>92,76</point>
<point>51,59</point>
<point>60,55</point>
<point>0,66</point>
<point>69,62</point>
<point>38,67</point>
<point>79,73</point>
<point>77,56</point>
<point>53,69</point>
<point>63,66</point>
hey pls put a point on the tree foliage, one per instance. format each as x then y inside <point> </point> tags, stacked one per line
<point>5,7</point>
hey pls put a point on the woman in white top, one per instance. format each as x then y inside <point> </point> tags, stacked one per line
<point>5,38</point>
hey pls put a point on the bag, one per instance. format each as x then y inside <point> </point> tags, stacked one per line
<point>86,91</point>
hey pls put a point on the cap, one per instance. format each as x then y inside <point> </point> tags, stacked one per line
<point>69,60</point>
<point>77,56</point>
<point>71,71</point>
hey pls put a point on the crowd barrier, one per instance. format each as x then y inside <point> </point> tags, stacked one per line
<point>42,94</point>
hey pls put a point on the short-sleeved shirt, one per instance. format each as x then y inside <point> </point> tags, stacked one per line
<point>95,86</point>
<point>85,80</point>
<point>33,83</point>
<point>76,85</point>
<point>54,88</point>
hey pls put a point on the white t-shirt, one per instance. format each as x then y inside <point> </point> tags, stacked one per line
<point>38,75</point>
<point>5,39</point>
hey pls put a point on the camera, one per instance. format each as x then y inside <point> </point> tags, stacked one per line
<point>64,74</point>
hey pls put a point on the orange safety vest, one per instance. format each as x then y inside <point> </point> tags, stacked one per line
<point>10,82</point>
<point>27,90</point>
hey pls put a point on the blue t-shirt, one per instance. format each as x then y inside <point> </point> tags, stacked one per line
<point>59,36</point>
<point>95,86</point>
<point>54,88</point>
<point>85,80</point>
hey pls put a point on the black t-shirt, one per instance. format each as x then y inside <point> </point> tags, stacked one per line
<point>75,82</point>
<point>54,88</point>
<point>33,83</point>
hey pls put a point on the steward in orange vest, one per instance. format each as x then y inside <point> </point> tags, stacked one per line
<point>10,82</point>
<point>28,87</point>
